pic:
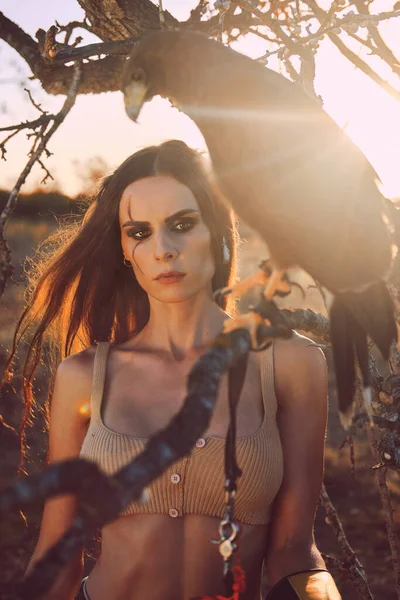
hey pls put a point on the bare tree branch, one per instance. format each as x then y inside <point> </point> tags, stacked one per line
<point>119,47</point>
<point>5,259</point>
<point>384,51</point>
<point>20,41</point>
<point>101,75</point>
<point>42,120</point>
<point>69,28</point>
<point>275,26</point>
<point>352,57</point>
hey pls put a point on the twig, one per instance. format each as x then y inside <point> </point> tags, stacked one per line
<point>384,52</point>
<point>43,120</point>
<point>3,143</point>
<point>352,57</point>
<point>37,106</point>
<point>48,174</point>
<point>73,25</point>
<point>275,26</point>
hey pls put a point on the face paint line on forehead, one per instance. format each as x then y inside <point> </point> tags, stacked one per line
<point>158,197</point>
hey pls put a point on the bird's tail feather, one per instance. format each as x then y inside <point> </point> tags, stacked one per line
<point>354,316</point>
<point>374,311</point>
<point>343,358</point>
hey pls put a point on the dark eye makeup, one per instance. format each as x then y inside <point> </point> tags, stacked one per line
<point>181,225</point>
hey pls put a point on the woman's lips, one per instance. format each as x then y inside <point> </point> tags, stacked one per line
<point>173,277</point>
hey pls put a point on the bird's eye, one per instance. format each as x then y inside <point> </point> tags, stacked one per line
<point>138,75</point>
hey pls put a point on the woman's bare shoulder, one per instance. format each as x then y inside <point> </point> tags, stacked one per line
<point>299,364</point>
<point>80,364</point>
<point>73,386</point>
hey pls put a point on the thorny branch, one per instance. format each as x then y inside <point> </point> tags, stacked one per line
<point>5,258</point>
<point>384,441</point>
<point>354,569</point>
<point>386,501</point>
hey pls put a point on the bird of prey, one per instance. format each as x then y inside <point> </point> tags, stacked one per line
<point>291,174</point>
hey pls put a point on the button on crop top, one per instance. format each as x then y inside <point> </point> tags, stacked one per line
<point>195,484</point>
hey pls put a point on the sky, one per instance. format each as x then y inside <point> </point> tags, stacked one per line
<point>98,127</point>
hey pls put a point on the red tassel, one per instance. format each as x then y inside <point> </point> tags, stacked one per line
<point>239,585</point>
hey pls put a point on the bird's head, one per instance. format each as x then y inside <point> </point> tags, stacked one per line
<point>140,76</point>
<point>161,63</point>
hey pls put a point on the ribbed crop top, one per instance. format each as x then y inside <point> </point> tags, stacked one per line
<point>195,484</point>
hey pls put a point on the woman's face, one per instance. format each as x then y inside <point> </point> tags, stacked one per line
<point>164,237</point>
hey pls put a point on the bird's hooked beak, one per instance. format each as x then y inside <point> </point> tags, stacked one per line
<point>134,97</point>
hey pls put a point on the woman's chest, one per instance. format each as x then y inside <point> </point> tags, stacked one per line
<point>143,399</point>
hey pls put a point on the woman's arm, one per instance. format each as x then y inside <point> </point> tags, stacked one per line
<point>301,388</point>
<point>72,388</point>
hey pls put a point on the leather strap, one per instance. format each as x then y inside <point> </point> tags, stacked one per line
<point>236,377</point>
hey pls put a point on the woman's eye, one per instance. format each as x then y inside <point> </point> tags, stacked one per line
<point>138,234</point>
<point>185,225</point>
<point>180,226</point>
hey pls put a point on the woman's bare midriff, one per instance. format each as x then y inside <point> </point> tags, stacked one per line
<point>157,557</point>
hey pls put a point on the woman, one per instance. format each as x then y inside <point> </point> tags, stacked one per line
<point>133,286</point>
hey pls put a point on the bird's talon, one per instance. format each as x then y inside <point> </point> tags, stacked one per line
<point>297,285</point>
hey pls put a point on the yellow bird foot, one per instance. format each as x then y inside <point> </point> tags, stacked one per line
<point>262,331</point>
<point>252,322</point>
<point>275,281</point>
<point>241,287</point>
<point>278,284</point>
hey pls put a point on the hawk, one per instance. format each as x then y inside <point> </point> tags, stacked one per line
<point>290,173</point>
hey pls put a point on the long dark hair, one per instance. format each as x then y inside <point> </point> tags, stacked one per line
<point>79,290</point>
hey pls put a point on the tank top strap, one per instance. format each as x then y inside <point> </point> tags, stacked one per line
<point>99,377</point>
<point>268,379</point>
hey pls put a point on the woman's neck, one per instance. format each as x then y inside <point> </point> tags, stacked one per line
<point>182,328</point>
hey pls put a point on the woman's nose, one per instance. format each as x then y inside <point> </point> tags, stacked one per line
<point>165,249</point>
